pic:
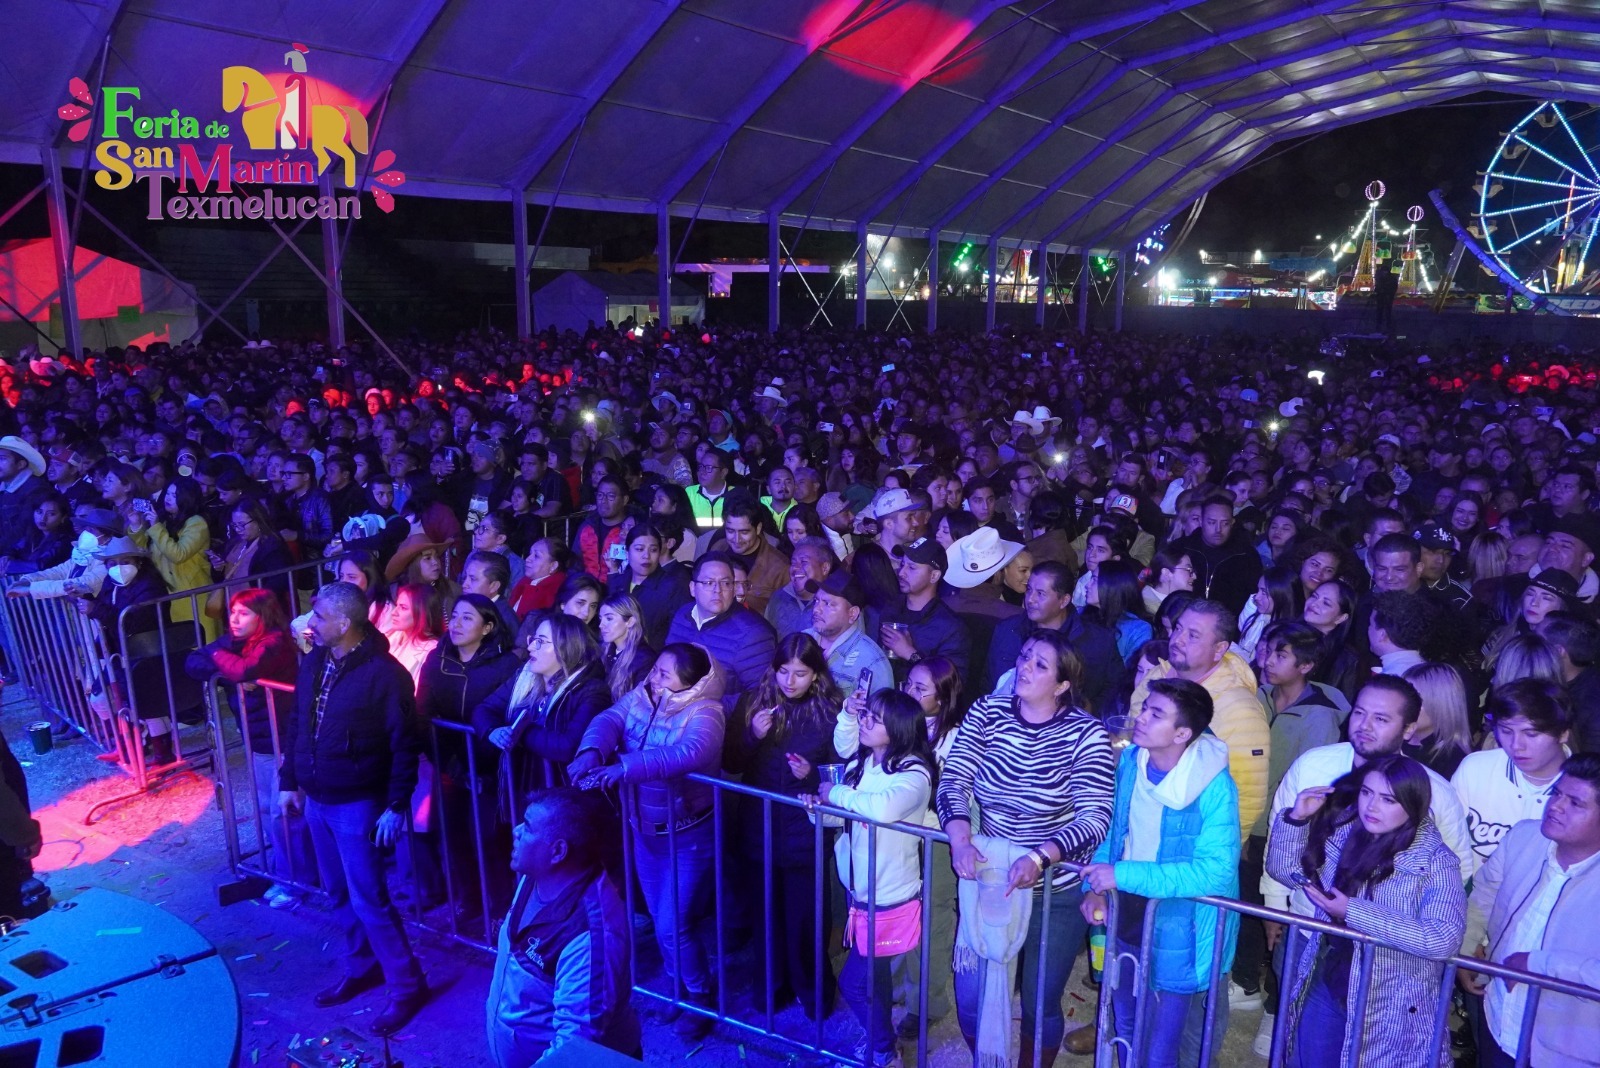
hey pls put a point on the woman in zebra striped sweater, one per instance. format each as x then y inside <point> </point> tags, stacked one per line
<point>1041,772</point>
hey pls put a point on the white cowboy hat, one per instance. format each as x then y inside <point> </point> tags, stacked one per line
<point>12,443</point>
<point>1040,423</point>
<point>773,393</point>
<point>975,558</point>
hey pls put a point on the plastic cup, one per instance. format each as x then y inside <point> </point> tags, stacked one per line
<point>993,906</point>
<point>831,773</point>
<point>39,734</point>
<point>1121,730</point>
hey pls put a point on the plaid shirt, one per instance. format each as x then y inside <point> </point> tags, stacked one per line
<point>332,668</point>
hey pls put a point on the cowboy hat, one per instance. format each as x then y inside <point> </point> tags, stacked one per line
<point>122,545</point>
<point>12,443</point>
<point>414,546</point>
<point>773,393</point>
<point>977,557</point>
<point>1039,423</point>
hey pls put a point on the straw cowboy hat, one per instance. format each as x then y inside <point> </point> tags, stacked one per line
<point>414,546</point>
<point>12,443</point>
<point>774,392</point>
<point>976,558</point>
<point>1040,423</point>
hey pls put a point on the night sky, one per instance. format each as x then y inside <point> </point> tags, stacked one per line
<point>1314,186</point>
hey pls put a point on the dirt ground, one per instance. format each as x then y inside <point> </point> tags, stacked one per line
<point>167,847</point>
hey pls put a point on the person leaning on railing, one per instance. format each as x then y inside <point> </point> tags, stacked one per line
<point>779,734</point>
<point>1040,769</point>
<point>258,646</point>
<point>890,779</point>
<point>1174,835</point>
<point>178,538</point>
<point>1367,855</point>
<point>1533,907</point>
<point>664,730</point>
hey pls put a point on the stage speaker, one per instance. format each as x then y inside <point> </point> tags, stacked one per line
<point>108,980</point>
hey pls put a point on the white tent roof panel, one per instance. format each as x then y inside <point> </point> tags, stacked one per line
<point>827,109</point>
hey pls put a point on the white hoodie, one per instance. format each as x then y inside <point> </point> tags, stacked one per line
<point>1204,760</point>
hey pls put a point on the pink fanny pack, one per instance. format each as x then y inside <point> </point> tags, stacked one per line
<point>898,929</point>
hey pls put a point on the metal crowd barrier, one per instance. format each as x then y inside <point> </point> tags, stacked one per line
<point>1108,1047</point>
<point>485,823</point>
<point>468,881</point>
<point>65,662</point>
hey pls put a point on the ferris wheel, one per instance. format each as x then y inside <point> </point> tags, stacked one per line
<point>1539,199</point>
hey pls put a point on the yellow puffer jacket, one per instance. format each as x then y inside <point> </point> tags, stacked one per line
<point>183,565</point>
<point>1239,720</point>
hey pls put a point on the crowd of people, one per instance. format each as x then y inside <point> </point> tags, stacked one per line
<point>1144,619</point>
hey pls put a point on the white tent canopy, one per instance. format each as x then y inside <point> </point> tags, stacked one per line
<point>1073,123</point>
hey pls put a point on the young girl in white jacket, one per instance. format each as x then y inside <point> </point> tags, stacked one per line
<point>890,780</point>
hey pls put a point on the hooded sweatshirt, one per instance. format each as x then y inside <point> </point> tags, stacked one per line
<point>1174,840</point>
<point>1240,721</point>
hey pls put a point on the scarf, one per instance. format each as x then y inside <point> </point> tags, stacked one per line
<point>991,949</point>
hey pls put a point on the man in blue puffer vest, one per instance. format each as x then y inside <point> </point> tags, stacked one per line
<point>1174,835</point>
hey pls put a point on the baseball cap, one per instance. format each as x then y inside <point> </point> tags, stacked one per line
<point>891,501</point>
<point>1122,502</point>
<point>1431,535</point>
<point>925,551</point>
<point>839,583</point>
<point>830,504</point>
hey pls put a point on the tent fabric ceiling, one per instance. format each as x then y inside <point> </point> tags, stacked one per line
<point>1076,123</point>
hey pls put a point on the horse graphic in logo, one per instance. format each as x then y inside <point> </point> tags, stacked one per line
<point>286,119</point>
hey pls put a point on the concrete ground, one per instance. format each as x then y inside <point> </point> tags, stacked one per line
<point>167,847</point>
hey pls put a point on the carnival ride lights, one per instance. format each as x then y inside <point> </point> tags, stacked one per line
<point>1542,183</point>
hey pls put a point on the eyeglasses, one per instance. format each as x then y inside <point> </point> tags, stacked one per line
<point>538,641</point>
<point>716,584</point>
<point>869,718</point>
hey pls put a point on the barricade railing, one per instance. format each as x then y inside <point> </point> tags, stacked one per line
<point>114,694</point>
<point>1108,1046</point>
<point>484,811</point>
<point>466,814</point>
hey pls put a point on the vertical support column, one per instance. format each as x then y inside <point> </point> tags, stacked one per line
<point>1124,264</point>
<point>992,265</point>
<point>933,281</point>
<point>332,272</point>
<point>861,275</point>
<point>519,232</point>
<point>774,271</point>
<point>1043,258</point>
<point>664,265</point>
<point>1082,294</point>
<point>62,250</point>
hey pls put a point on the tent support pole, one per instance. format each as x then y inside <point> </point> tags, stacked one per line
<point>332,271</point>
<point>357,316</point>
<point>861,275</point>
<point>1044,284</point>
<point>62,251</point>
<point>519,230</point>
<point>168,275</point>
<point>774,272</point>
<point>1124,261</point>
<point>664,265</point>
<point>933,281</point>
<point>1082,295</point>
<point>989,292</point>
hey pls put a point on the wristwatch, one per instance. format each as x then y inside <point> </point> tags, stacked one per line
<point>1041,858</point>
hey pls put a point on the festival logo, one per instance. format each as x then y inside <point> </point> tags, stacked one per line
<point>291,129</point>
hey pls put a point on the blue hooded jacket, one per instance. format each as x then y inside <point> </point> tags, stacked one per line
<point>1198,855</point>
